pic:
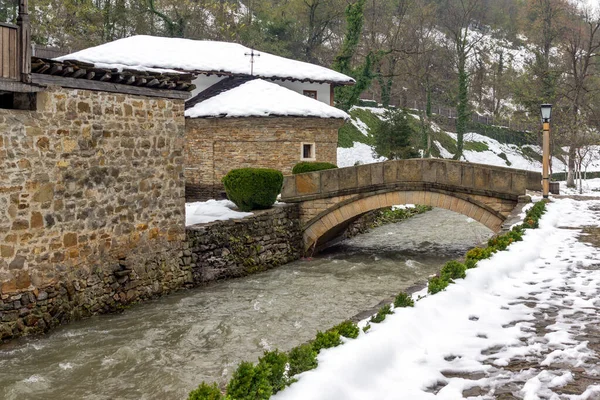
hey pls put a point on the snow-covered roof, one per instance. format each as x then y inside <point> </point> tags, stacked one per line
<point>201,56</point>
<point>259,98</point>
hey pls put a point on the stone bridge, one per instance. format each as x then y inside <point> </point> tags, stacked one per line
<point>332,199</point>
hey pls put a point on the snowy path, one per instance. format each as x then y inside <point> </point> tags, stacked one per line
<point>524,325</point>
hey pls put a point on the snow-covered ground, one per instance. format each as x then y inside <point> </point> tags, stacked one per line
<point>590,187</point>
<point>212,210</point>
<point>360,153</point>
<point>524,324</point>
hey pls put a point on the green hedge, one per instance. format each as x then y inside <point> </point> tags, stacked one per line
<point>253,188</point>
<point>306,166</point>
<point>453,270</point>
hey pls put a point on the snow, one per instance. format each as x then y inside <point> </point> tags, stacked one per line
<point>360,153</point>
<point>590,187</point>
<point>361,126</point>
<point>143,52</point>
<point>258,98</point>
<point>203,212</point>
<point>463,337</point>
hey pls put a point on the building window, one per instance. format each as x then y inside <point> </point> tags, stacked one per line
<point>308,152</point>
<point>310,93</point>
<point>18,101</point>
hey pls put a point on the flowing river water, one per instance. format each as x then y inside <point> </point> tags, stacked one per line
<point>164,348</point>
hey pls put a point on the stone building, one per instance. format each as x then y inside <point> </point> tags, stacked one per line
<point>247,109</point>
<point>255,124</point>
<point>92,190</point>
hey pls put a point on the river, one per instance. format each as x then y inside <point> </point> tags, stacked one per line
<point>164,348</point>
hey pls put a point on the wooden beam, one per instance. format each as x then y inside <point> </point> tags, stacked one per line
<point>19,87</point>
<point>24,41</point>
<point>50,80</point>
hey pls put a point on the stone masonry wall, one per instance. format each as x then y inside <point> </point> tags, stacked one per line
<point>234,248</point>
<point>91,206</point>
<point>215,146</point>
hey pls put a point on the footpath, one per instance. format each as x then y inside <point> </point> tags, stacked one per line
<point>525,325</point>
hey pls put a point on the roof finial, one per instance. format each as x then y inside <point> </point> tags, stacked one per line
<point>252,54</point>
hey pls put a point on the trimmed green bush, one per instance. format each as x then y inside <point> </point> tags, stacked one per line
<point>436,284</point>
<point>302,358</point>
<point>206,392</point>
<point>253,188</point>
<point>250,382</point>
<point>347,329</point>
<point>478,253</point>
<point>276,362</point>
<point>470,263</point>
<point>366,328</point>
<point>381,314</point>
<point>403,300</point>
<point>307,166</point>
<point>325,340</point>
<point>453,270</point>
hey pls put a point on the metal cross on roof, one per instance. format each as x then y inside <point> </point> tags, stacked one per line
<point>252,54</point>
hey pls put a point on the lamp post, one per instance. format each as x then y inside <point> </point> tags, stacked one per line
<point>546,111</point>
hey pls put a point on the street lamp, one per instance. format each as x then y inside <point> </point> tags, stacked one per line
<point>546,112</point>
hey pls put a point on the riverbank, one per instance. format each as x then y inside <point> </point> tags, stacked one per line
<point>164,348</point>
<point>521,325</point>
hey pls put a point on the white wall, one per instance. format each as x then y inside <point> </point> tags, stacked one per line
<point>323,89</point>
<point>203,82</point>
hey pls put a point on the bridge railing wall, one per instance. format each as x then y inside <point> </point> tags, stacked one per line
<point>447,174</point>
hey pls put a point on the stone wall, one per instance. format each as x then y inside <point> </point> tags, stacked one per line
<point>234,248</point>
<point>214,146</point>
<point>91,206</point>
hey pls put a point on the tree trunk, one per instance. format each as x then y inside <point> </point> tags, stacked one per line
<point>462,108</point>
<point>571,168</point>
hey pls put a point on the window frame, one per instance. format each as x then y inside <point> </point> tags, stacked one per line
<point>313,151</point>
<point>310,94</point>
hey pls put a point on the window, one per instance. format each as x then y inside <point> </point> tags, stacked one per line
<point>18,101</point>
<point>310,93</point>
<point>307,152</point>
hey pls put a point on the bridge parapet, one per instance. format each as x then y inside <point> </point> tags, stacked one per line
<point>476,179</point>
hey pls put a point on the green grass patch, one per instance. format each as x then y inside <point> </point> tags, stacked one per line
<point>476,146</point>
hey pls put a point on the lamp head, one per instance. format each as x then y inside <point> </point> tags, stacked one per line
<point>546,112</point>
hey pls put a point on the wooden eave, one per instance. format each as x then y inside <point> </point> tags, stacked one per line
<point>80,75</point>
<point>279,78</point>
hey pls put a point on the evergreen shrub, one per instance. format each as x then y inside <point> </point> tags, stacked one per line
<point>206,392</point>
<point>436,284</point>
<point>453,270</point>
<point>470,263</point>
<point>403,300</point>
<point>381,314</point>
<point>302,358</point>
<point>478,253</point>
<point>311,166</point>
<point>347,329</point>
<point>253,188</point>
<point>250,382</point>
<point>276,362</point>
<point>325,340</point>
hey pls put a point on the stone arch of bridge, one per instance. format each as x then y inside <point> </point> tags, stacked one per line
<point>320,228</point>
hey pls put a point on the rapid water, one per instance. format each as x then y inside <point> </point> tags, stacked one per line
<point>164,348</point>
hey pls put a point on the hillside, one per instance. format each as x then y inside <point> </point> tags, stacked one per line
<point>355,145</point>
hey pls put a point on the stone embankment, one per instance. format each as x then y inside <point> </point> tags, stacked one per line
<point>219,250</point>
<point>228,249</point>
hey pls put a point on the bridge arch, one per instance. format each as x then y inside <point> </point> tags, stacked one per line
<point>331,198</point>
<point>347,210</point>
